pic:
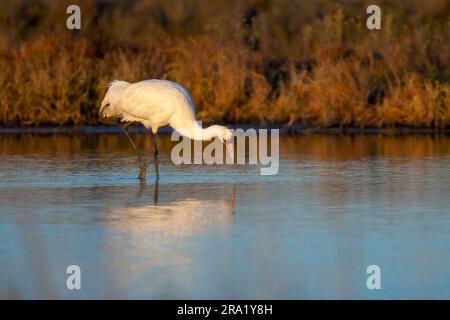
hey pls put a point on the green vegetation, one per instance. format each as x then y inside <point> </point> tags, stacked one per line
<point>312,63</point>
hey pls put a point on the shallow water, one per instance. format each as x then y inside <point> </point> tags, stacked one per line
<point>338,204</point>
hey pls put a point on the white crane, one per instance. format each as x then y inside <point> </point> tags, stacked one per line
<point>156,103</point>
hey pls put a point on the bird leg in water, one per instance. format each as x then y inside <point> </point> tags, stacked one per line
<point>155,193</point>
<point>142,165</point>
<point>155,155</point>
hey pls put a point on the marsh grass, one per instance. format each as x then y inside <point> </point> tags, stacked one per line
<point>263,62</point>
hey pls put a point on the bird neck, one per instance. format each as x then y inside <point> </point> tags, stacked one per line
<point>196,132</point>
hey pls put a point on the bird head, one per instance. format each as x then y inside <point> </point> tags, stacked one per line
<point>226,136</point>
<point>229,141</point>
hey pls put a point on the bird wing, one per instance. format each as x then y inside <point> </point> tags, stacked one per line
<point>143,102</point>
<point>156,103</point>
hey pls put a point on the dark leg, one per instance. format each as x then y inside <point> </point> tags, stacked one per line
<point>142,165</point>
<point>232,200</point>
<point>155,155</point>
<point>142,187</point>
<point>155,193</point>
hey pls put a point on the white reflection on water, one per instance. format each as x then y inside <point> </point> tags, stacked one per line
<point>150,235</point>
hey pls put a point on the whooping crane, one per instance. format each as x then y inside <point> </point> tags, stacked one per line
<point>156,103</point>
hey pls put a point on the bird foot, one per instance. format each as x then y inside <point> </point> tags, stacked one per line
<point>142,170</point>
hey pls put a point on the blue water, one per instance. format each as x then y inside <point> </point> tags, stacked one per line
<point>338,204</point>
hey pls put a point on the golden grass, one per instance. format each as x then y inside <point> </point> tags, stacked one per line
<point>263,62</point>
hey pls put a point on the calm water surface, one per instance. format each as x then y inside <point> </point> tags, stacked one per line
<point>338,204</point>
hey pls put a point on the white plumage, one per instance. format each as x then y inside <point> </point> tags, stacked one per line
<point>156,103</point>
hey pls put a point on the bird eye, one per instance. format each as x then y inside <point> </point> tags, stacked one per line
<point>107,105</point>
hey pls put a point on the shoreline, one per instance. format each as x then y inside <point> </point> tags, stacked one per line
<point>295,130</point>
